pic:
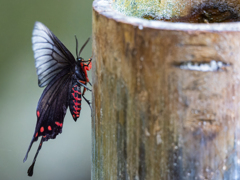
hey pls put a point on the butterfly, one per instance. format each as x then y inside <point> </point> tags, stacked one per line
<point>64,77</point>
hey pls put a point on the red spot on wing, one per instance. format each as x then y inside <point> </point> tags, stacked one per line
<point>58,124</point>
<point>49,128</point>
<point>38,113</point>
<point>41,129</point>
<point>36,134</point>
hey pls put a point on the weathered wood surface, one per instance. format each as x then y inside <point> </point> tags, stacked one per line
<point>153,118</point>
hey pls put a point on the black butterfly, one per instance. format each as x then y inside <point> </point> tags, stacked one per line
<point>64,77</point>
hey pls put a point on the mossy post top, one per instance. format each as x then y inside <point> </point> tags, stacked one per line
<point>131,12</point>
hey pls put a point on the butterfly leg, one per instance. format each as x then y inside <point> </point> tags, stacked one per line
<point>30,169</point>
<point>89,103</point>
<point>84,86</point>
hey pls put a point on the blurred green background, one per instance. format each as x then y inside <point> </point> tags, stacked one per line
<point>69,155</point>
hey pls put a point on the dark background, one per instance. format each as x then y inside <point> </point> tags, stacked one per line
<point>69,155</point>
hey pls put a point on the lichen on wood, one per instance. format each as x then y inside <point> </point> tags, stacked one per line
<point>167,9</point>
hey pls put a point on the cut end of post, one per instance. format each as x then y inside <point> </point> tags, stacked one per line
<point>193,11</point>
<point>187,15</point>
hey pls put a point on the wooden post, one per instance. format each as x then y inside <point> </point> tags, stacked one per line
<point>166,98</point>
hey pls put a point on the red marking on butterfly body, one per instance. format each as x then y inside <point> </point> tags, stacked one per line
<point>89,66</point>
<point>75,112</point>
<point>84,82</point>
<point>76,103</point>
<point>76,91</point>
<point>75,97</point>
<point>85,68</point>
<point>76,108</point>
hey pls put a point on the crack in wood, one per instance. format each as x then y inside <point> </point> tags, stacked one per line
<point>203,66</point>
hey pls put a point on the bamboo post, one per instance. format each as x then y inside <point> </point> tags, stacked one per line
<point>166,97</point>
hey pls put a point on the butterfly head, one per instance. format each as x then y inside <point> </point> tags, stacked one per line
<point>81,63</point>
<point>84,63</point>
<point>79,59</point>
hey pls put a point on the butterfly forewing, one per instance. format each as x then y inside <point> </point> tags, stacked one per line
<point>51,56</point>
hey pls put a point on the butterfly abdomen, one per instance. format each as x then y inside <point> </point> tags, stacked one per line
<point>75,101</point>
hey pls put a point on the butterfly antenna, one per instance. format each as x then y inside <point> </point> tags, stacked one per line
<point>84,46</point>
<point>76,46</point>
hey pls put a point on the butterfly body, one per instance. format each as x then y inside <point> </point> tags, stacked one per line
<point>64,77</point>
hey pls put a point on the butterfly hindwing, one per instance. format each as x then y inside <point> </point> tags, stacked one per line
<point>51,110</point>
<point>52,107</point>
<point>51,56</point>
